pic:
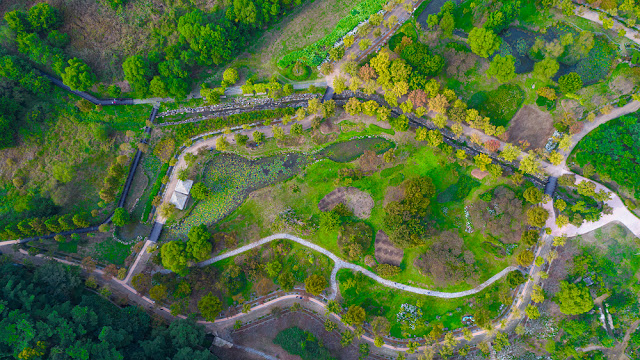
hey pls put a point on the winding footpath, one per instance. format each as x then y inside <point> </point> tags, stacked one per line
<point>341,264</point>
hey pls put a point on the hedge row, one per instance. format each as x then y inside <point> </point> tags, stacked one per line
<point>315,53</point>
<point>183,132</point>
<point>154,191</point>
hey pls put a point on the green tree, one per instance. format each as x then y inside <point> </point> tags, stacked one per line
<point>573,299</point>
<point>230,76</point>
<point>199,191</point>
<point>174,256</point>
<point>138,73</point>
<point>296,130</point>
<point>273,268</point>
<point>329,221</point>
<point>532,312</point>
<point>483,42</point>
<point>78,75</point>
<point>258,137</point>
<point>158,292</point>
<point>354,316</point>
<point>210,307</point>
<point>533,195</point>
<point>286,280</point>
<point>120,217</point>
<point>537,216</point>
<point>447,24</point>
<point>158,87</point>
<point>525,258</point>
<point>546,68</point>
<point>570,83</point>
<point>502,68</point>
<point>199,245</point>
<point>44,17</point>
<point>315,284</point>
<point>18,21</point>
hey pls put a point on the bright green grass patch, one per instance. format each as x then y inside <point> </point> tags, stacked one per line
<point>112,251</point>
<point>500,105</point>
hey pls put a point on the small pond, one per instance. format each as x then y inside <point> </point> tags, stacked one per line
<point>592,68</point>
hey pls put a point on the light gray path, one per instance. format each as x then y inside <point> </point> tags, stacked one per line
<point>341,264</point>
<point>255,352</point>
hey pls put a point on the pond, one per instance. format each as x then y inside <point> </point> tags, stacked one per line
<point>592,68</point>
<point>348,151</point>
<point>231,178</point>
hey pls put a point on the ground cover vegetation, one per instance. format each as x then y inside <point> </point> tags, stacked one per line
<point>36,302</point>
<point>616,161</point>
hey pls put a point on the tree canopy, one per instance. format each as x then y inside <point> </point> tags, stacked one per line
<point>45,314</point>
<point>483,42</point>
<point>573,299</point>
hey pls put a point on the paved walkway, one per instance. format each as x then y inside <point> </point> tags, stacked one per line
<point>341,264</point>
<point>591,15</point>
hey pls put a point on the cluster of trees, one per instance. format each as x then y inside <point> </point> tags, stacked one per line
<point>447,260</point>
<point>16,71</point>
<point>114,179</point>
<point>404,220</point>
<point>504,219</point>
<point>176,254</point>
<point>205,39</point>
<point>40,226</point>
<point>46,314</point>
<point>354,238</point>
<point>38,38</point>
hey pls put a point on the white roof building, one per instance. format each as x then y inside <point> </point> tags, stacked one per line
<point>184,186</point>
<point>180,195</point>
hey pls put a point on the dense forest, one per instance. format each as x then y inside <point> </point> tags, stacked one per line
<point>48,314</point>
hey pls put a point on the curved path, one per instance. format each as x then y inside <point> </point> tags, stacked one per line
<point>341,264</point>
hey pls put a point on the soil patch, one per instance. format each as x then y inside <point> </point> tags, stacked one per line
<point>531,124</point>
<point>328,127</point>
<point>356,200</point>
<point>479,174</point>
<point>140,183</point>
<point>394,193</point>
<point>386,252</point>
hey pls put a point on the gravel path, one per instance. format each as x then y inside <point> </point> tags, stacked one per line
<point>341,264</point>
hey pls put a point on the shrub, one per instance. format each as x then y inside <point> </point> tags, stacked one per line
<point>387,271</point>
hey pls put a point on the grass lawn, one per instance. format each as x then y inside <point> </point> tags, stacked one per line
<point>112,251</point>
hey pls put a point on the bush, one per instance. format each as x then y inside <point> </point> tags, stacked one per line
<point>387,271</point>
